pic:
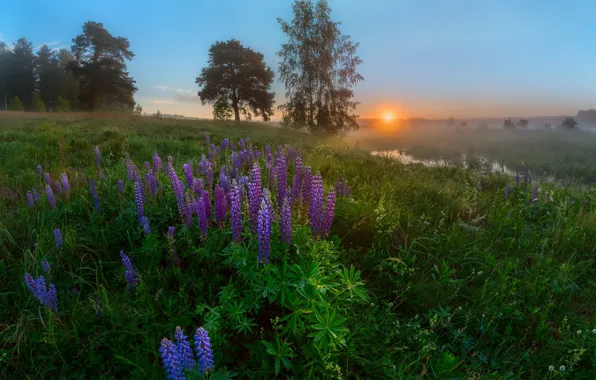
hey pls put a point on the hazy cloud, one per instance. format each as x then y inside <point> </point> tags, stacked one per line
<point>178,90</point>
<point>188,98</point>
<point>162,101</point>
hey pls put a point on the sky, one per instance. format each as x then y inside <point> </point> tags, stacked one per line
<point>421,58</point>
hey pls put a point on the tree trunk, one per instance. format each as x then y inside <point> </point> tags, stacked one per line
<point>236,111</point>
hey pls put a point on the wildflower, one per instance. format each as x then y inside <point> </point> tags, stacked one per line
<point>329,211</point>
<point>129,168</point>
<point>187,360</point>
<point>197,186</point>
<point>139,199</point>
<point>507,192</point>
<point>65,184</point>
<point>58,238</point>
<point>242,144</point>
<point>562,368</point>
<point>220,206</point>
<point>58,188</point>
<point>145,225</point>
<point>130,274</point>
<point>297,181</point>
<point>171,231</point>
<point>188,174</point>
<point>516,179</point>
<point>101,174</point>
<point>286,221</point>
<point>225,143</point>
<point>36,196</point>
<point>39,170</point>
<point>254,195</point>
<point>97,156</point>
<point>152,181</point>
<point>94,194</point>
<point>157,165</point>
<point>45,266</point>
<point>120,186</point>
<point>579,332</point>
<point>188,206</point>
<point>264,229</point>
<point>593,331</point>
<point>147,166</point>
<point>307,184</point>
<point>48,179</point>
<point>170,359</point>
<point>46,296</point>
<point>236,213</point>
<point>316,206</point>
<point>202,216</point>
<point>204,351</point>
<point>207,205</point>
<point>551,368</point>
<point>207,140</point>
<point>177,188</point>
<point>30,201</point>
<point>282,180</point>
<point>50,195</point>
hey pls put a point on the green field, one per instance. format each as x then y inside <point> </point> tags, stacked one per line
<point>428,272</point>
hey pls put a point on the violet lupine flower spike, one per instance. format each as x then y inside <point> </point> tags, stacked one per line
<point>94,195</point>
<point>45,266</point>
<point>145,224</point>
<point>139,199</point>
<point>50,195</point>
<point>188,174</point>
<point>286,221</point>
<point>316,206</point>
<point>120,186</point>
<point>254,195</point>
<point>46,296</point>
<point>188,208</point>
<point>297,182</point>
<point>30,200</point>
<point>202,217</point>
<point>187,359</point>
<point>58,238</point>
<point>204,351</point>
<point>131,273</point>
<point>48,179</point>
<point>65,185</point>
<point>170,359</point>
<point>207,206</point>
<point>171,232</point>
<point>58,188</point>
<point>220,206</point>
<point>39,170</point>
<point>156,163</point>
<point>507,192</point>
<point>307,185</point>
<point>329,212</point>
<point>236,213</point>
<point>264,229</point>
<point>282,180</point>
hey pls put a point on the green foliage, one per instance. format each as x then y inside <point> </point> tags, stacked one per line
<point>16,104</point>
<point>569,123</point>
<point>37,105</point>
<point>62,105</point>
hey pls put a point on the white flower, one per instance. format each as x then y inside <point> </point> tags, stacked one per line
<point>594,331</point>
<point>459,308</point>
<point>562,368</point>
<point>579,332</point>
<point>551,368</point>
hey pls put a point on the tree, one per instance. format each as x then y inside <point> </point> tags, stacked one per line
<point>62,105</point>
<point>37,105</point>
<point>53,79</point>
<point>21,80</point>
<point>222,111</point>
<point>318,67</point>
<point>236,78</point>
<point>508,124</point>
<point>100,66</point>
<point>138,110</point>
<point>523,123</point>
<point>16,104</point>
<point>569,124</point>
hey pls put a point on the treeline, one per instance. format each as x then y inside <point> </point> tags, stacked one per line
<point>91,76</point>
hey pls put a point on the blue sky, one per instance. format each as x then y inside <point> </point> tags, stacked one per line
<point>431,58</point>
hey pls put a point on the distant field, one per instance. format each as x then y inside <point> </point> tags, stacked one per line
<point>427,272</point>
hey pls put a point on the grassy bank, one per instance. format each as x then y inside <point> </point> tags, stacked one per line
<point>426,272</point>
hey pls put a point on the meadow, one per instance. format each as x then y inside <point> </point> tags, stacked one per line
<point>382,270</point>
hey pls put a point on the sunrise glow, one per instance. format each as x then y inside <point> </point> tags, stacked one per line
<point>388,116</point>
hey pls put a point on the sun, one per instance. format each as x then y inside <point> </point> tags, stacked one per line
<point>388,116</point>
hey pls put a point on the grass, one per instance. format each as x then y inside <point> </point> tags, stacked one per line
<point>428,272</point>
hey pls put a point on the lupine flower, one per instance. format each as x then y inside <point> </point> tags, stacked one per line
<point>156,163</point>
<point>516,179</point>
<point>171,231</point>
<point>204,351</point>
<point>145,225</point>
<point>184,351</point>
<point>507,192</point>
<point>48,179</point>
<point>36,196</point>
<point>329,212</point>
<point>45,266</point>
<point>39,170</point>
<point>97,157</point>
<point>152,181</point>
<point>201,169</point>
<point>129,168</point>
<point>30,200</point>
<point>170,359</point>
<point>316,206</point>
<point>120,186</point>
<point>282,180</point>
<point>57,187</point>
<point>225,143</point>
<point>236,160</point>
<point>198,186</point>
<point>207,140</point>
<point>307,184</point>
<point>188,174</point>
<point>169,165</point>
<point>65,184</point>
<point>268,157</point>
<point>131,273</point>
<point>297,182</point>
<point>535,194</point>
<point>188,206</point>
<point>224,181</point>
<point>220,206</point>
<point>242,144</point>
<point>46,296</point>
<point>264,229</point>
<point>254,195</point>
<point>94,195</point>
<point>236,212</point>
<point>58,238</point>
<point>177,188</point>
<point>207,205</point>
<point>202,217</point>
<point>101,174</point>
<point>286,222</point>
<point>139,199</point>
<point>147,166</point>
<point>209,176</point>
<point>50,195</point>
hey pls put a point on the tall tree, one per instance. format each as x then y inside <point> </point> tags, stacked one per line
<point>5,54</point>
<point>21,81</point>
<point>100,66</point>
<point>236,78</point>
<point>318,67</point>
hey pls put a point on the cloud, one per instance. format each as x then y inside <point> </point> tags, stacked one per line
<point>188,98</point>
<point>178,90</point>
<point>58,48</point>
<point>162,101</point>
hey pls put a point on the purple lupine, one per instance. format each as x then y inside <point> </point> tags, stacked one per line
<point>197,186</point>
<point>316,206</point>
<point>329,212</point>
<point>242,144</point>
<point>45,266</point>
<point>57,188</point>
<point>170,359</point>
<point>52,300</point>
<point>236,160</point>
<point>204,351</point>
<point>130,272</point>
<point>48,179</point>
<point>46,296</point>
<point>50,195</point>
<point>224,181</point>
<point>236,213</point>
<point>101,174</point>
<point>177,188</point>
<point>36,196</point>
<point>58,238</point>
<point>184,351</point>
<point>264,229</point>
<point>145,224</point>
<point>209,176</point>
<point>120,186</point>
<point>139,199</point>
<point>207,140</point>
<point>268,157</point>
<point>507,192</point>
<point>188,174</point>
<point>225,143</point>
<point>535,194</point>
<point>97,157</point>
<point>220,206</point>
<point>254,195</point>
<point>30,200</point>
<point>171,232</point>
<point>156,163</point>
<point>39,170</point>
<point>516,179</point>
<point>188,208</point>
<point>286,221</point>
<point>282,180</point>
<point>147,166</point>
<point>94,195</point>
<point>297,182</point>
<point>65,184</point>
<point>307,185</point>
<point>202,216</point>
<point>151,180</point>
<point>207,205</point>
<point>202,165</point>
<point>129,168</point>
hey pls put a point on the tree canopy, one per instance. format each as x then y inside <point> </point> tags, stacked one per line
<point>318,67</point>
<point>236,79</point>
